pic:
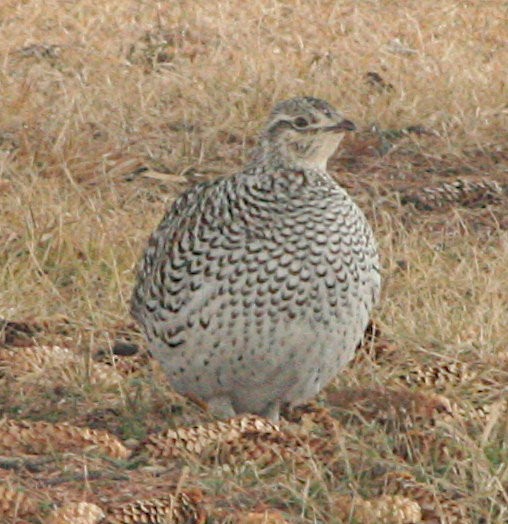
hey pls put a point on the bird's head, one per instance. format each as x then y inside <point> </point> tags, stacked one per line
<point>303,132</point>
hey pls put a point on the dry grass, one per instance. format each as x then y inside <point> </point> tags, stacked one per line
<point>93,91</point>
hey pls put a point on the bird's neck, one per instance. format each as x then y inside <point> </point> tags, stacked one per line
<point>281,157</point>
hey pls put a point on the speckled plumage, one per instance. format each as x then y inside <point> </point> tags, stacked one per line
<point>256,289</point>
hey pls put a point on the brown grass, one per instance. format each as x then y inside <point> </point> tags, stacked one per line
<point>93,91</point>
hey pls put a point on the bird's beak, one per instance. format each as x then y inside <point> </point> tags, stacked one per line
<point>343,125</point>
<point>346,125</point>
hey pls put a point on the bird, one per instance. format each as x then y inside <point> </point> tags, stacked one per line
<point>256,288</point>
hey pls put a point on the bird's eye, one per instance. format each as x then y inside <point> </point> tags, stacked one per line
<point>301,122</point>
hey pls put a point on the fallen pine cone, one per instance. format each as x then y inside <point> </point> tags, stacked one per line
<point>261,517</point>
<point>436,376</point>
<point>24,436</point>
<point>466,193</point>
<point>398,408</point>
<point>15,503</point>
<point>77,513</point>
<point>436,507</point>
<point>203,439</point>
<point>53,364</point>
<point>387,509</point>
<point>184,508</point>
<point>238,440</point>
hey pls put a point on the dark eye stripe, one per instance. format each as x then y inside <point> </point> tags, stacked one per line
<point>278,125</point>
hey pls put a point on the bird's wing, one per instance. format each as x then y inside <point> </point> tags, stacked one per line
<point>189,252</point>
